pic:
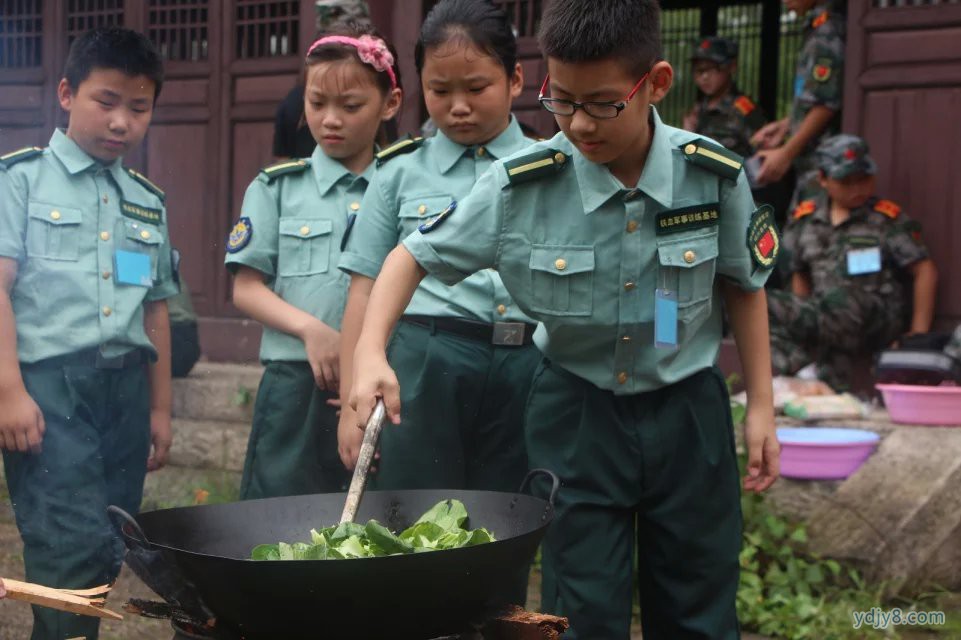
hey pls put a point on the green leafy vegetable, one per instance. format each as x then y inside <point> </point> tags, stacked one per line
<point>443,527</point>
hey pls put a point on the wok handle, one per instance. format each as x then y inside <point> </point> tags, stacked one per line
<point>136,533</point>
<point>533,473</point>
<point>367,449</point>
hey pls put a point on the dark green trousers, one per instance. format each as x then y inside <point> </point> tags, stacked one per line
<point>293,442</point>
<point>94,454</point>
<point>657,470</point>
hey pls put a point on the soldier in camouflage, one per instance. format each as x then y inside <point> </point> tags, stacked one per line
<point>816,109</point>
<point>723,113</point>
<point>860,274</point>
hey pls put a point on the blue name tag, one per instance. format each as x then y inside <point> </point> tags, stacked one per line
<point>133,268</point>
<point>863,261</point>
<point>665,319</point>
<point>798,85</point>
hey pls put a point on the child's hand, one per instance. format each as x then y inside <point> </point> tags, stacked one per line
<point>763,450</point>
<point>349,438</point>
<point>771,135</point>
<point>21,422</point>
<point>323,353</point>
<point>161,437</point>
<point>373,379</point>
<point>774,164</point>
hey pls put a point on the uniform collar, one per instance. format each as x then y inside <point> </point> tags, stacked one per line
<point>448,153</point>
<point>328,172</point>
<point>598,185</point>
<point>76,160</point>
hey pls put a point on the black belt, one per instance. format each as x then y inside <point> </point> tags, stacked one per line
<point>96,360</point>
<point>509,334</point>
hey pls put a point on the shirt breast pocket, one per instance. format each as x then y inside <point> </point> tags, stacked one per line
<point>562,279</point>
<point>416,211</point>
<point>53,232</point>
<point>687,266</point>
<point>145,239</point>
<point>304,248</point>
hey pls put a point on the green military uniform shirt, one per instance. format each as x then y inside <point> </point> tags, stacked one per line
<point>64,217</point>
<point>732,121</point>
<point>293,219</point>
<point>584,255</point>
<point>406,192</point>
<point>819,78</point>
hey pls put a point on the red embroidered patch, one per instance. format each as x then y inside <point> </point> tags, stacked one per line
<point>850,154</point>
<point>766,244</point>
<point>744,105</point>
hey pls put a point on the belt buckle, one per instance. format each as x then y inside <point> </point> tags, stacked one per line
<point>103,362</point>
<point>509,334</point>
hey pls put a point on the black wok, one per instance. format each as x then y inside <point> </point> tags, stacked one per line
<point>197,558</point>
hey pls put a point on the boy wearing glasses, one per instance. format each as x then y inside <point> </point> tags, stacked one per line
<point>723,113</point>
<point>623,237</point>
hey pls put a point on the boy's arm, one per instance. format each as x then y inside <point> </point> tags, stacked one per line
<point>322,342</point>
<point>748,314</point>
<point>776,162</point>
<point>349,437</point>
<point>373,377</point>
<point>925,287</point>
<point>157,325</point>
<point>21,421</point>
<point>801,284</point>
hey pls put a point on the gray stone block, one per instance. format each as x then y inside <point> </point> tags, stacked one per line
<point>215,391</point>
<point>209,444</point>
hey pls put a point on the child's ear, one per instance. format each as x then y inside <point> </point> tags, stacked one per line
<point>516,81</point>
<point>392,105</point>
<point>65,95</point>
<point>822,179</point>
<point>661,79</point>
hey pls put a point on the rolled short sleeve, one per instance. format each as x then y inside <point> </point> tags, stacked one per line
<point>165,286</point>
<point>375,233</point>
<point>261,209</point>
<point>904,242</point>
<point>734,259</point>
<point>468,240</point>
<point>13,217</point>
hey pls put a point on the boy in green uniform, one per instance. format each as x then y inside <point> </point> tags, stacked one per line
<point>612,235</point>
<point>860,274</point>
<point>85,268</point>
<point>818,90</point>
<point>724,113</point>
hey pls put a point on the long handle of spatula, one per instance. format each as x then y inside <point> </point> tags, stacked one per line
<point>367,449</point>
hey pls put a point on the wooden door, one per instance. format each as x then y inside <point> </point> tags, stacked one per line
<point>903,94</point>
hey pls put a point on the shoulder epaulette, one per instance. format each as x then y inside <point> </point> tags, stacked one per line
<point>888,208</point>
<point>274,171</point>
<point>147,184</point>
<point>535,166</point>
<point>713,157</point>
<point>820,20</point>
<point>12,158</point>
<point>744,105</point>
<point>400,147</point>
<point>805,208</point>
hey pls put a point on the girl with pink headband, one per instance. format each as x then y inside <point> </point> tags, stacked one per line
<point>283,252</point>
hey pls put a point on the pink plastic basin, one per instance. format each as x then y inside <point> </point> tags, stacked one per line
<point>818,453</point>
<point>915,404</point>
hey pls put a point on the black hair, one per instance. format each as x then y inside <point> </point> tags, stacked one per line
<point>588,30</point>
<point>117,48</point>
<point>481,22</point>
<point>334,51</point>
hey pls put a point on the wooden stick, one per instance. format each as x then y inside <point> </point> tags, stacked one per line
<point>57,599</point>
<point>517,624</point>
<point>367,449</point>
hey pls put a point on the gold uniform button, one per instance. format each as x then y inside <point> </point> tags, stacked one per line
<point>107,311</point>
<point>422,209</point>
<point>106,275</point>
<point>625,339</point>
<point>560,158</point>
<point>628,286</point>
<point>354,206</point>
<point>631,226</point>
<point>54,215</point>
<point>622,377</point>
<point>689,256</point>
<point>690,149</point>
<point>145,234</point>
<point>501,309</point>
<point>304,230</point>
<point>104,235</point>
<point>560,264</point>
<point>481,151</point>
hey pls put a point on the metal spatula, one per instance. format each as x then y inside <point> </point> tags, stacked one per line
<point>367,449</point>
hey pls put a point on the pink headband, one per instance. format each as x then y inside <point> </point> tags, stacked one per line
<point>371,50</point>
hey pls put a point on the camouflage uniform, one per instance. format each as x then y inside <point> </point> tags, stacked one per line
<point>735,118</point>
<point>333,12</point>
<point>848,314</point>
<point>819,81</point>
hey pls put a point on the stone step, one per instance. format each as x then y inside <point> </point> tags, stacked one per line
<point>209,444</point>
<point>217,391</point>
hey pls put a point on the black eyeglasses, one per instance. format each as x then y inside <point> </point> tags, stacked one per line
<point>599,110</point>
